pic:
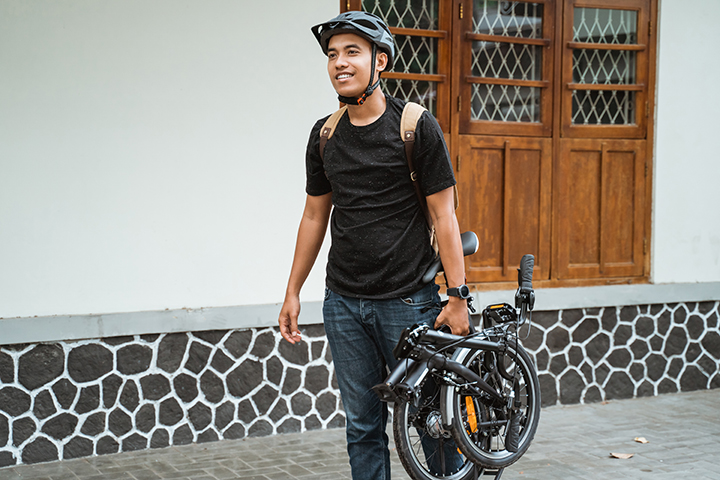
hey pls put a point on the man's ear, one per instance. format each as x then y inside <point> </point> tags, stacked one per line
<point>381,61</point>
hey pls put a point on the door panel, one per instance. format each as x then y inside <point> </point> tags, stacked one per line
<point>506,195</point>
<point>600,201</point>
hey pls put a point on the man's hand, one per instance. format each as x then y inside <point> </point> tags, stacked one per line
<point>309,240</point>
<point>455,316</point>
<point>288,319</point>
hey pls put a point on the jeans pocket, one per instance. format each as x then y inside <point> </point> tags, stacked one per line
<point>425,297</point>
<point>327,293</point>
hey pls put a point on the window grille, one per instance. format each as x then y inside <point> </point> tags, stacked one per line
<point>415,54</point>
<point>597,66</point>
<point>506,60</point>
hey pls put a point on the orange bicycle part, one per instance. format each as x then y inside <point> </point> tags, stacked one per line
<point>472,417</point>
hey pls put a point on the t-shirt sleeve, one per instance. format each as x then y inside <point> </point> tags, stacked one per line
<point>431,156</point>
<point>316,183</point>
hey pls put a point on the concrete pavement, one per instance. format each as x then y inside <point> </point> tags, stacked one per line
<point>572,442</point>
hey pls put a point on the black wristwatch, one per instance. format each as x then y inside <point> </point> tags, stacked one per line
<point>462,292</point>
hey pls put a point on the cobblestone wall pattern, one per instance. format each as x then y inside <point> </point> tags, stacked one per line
<point>69,400</point>
<point>76,399</point>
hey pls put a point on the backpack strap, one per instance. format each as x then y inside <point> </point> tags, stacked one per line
<point>328,128</point>
<point>408,122</point>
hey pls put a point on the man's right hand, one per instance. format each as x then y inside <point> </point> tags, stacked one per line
<point>288,319</point>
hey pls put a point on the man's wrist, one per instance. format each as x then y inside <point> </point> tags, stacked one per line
<point>461,291</point>
<point>457,301</point>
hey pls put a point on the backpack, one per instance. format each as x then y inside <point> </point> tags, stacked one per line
<point>408,121</point>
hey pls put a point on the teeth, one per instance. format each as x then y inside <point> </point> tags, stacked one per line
<point>344,75</point>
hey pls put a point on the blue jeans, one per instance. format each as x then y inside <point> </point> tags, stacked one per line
<point>362,334</point>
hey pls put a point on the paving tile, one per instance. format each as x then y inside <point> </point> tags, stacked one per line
<point>572,442</point>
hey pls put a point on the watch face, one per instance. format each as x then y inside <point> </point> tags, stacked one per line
<point>464,291</point>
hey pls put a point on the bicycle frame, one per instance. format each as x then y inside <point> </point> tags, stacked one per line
<point>485,379</point>
<point>417,360</point>
<point>403,381</point>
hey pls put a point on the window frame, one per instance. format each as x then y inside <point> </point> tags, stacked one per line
<point>464,38</point>
<point>630,131</point>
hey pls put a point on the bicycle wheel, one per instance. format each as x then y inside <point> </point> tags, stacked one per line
<point>425,453</point>
<point>480,430</point>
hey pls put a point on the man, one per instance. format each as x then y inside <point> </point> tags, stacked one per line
<point>380,243</point>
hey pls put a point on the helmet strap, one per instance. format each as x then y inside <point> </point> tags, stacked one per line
<point>370,88</point>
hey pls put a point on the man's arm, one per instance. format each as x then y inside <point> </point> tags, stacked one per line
<point>311,233</point>
<point>442,212</point>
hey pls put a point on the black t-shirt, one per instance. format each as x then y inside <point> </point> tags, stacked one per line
<point>380,241</point>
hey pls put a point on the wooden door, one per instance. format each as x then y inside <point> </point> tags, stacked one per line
<point>601,188</point>
<point>546,106</point>
<point>600,208</point>
<point>509,178</point>
<point>503,117</point>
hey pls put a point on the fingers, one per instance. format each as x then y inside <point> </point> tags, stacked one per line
<point>289,326</point>
<point>289,330</point>
<point>459,324</point>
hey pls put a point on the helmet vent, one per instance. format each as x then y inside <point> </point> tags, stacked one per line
<point>365,23</point>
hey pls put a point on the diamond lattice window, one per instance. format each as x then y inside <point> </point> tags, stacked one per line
<point>606,26</point>
<point>505,103</point>
<point>506,60</point>
<point>597,26</point>
<point>508,19</point>
<point>405,13</point>
<point>416,91</point>
<point>414,54</point>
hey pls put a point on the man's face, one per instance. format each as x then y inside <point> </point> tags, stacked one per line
<point>349,60</point>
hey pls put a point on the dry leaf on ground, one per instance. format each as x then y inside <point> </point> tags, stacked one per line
<point>641,440</point>
<point>622,456</point>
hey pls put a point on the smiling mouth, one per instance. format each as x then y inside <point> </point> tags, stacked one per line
<point>343,76</point>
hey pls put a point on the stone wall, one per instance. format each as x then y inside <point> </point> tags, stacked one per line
<point>69,400</point>
<point>93,397</point>
<point>595,354</point>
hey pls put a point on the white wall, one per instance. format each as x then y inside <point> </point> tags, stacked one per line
<point>686,217</point>
<point>152,152</point>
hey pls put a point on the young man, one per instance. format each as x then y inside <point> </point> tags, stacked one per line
<point>380,242</point>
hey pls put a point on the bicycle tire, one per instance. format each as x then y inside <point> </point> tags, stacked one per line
<point>486,446</point>
<point>408,442</point>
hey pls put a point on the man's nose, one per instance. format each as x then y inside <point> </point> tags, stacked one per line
<point>341,60</point>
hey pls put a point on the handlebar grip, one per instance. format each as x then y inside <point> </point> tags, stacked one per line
<point>525,272</point>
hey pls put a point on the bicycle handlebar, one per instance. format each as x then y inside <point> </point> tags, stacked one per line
<point>525,272</point>
<point>470,244</point>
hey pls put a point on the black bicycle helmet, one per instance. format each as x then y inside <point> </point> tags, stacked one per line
<point>368,26</point>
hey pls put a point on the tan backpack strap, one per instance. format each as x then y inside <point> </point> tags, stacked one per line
<point>410,116</point>
<point>328,128</point>
<point>408,122</point>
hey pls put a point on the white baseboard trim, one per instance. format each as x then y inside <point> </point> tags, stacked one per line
<point>77,327</point>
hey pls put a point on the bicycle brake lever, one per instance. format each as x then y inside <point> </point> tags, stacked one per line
<point>470,305</point>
